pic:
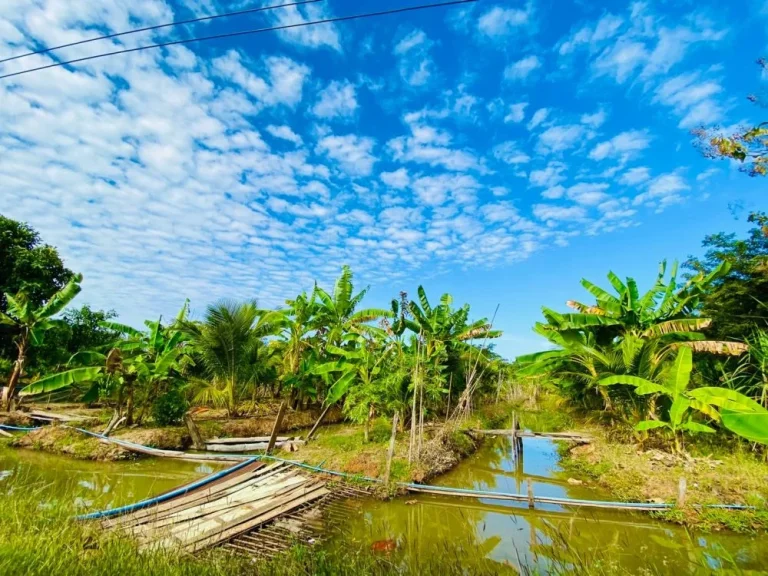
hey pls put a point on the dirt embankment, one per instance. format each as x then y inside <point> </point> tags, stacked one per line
<point>61,440</point>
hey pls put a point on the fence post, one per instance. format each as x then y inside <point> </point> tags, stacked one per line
<point>531,502</point>
<point>194,432</point>
<point>276,427</point>
<point>317,424</point>
<point>391,451</point>
<point>681,488</point>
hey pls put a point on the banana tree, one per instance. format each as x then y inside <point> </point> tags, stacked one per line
<point>149,360</point>
<point>31,322</point>
<point>683,401</point>
<point>665,310</point>
<point>357,373</point>
<point>337,314</point>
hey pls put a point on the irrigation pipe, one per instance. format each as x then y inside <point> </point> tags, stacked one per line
<point>646,506</point>
<point>163,497</point>
<point>24,428</point>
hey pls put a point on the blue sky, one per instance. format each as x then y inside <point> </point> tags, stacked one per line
<point>499,151</point>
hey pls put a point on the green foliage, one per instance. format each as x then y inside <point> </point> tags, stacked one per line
<point>738,300</point>
<point>27,265</point>
<point>169,408</point>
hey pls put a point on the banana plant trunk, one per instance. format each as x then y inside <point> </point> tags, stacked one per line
<point>18,368</point>
<point>371,413</point>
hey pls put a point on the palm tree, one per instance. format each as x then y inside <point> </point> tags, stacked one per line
<point>336,313</point>
<point>228,342</point>
<point>31,323</point>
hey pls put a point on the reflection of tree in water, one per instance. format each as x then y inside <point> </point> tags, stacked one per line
<point>483,467</point>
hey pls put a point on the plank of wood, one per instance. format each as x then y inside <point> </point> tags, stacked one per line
<point>188,532</point>
<point>249,440</point>
<point>252,447</point>
<point>259,517</point>
<point>206,493</point>
<point>59,417</point>
<point>5,434</point>
<point>248,495</point>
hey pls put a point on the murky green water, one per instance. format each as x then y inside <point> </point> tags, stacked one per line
<point>510,533</point>
<point>98,485</point>
<point>473,531</point>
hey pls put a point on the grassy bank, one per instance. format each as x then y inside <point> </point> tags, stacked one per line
<point>721,472</point>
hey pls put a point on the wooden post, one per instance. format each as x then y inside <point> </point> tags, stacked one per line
<point>681,488</point>
<point>194,432</point>
<point>5,434</point>
<point>391,451</point>
<point>276,427</point>
<point>319,421</point>
<point>498,388</point>
<point>531,502</point>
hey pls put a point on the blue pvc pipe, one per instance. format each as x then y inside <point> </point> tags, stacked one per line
<point>163,497</point>
<point>570,501</point>
<point>24,428</point>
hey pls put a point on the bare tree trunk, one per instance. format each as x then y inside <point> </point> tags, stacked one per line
<point>412,444</point>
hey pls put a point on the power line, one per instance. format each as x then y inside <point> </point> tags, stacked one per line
<point>158,26</point>
<point>246,32</point>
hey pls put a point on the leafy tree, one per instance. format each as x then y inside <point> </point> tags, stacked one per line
<point>30,322</point>
<point>748,145</point>
<point>737,300</point>
<point>27,265</point>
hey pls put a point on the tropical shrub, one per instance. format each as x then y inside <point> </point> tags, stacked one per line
<point>169,408</point>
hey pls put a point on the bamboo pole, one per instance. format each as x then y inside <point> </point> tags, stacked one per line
<point>391,451</point>
<point>448,409</point>
<point>531,501</point>
<point>276,427</point>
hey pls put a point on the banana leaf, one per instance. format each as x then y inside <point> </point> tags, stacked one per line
<point>62,380</point>
<point>750,425</point>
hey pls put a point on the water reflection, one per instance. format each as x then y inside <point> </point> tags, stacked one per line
<point>511,534</point>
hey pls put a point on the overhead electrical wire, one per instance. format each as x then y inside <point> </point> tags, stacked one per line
<point>159,26</point>
<point>245,33</point>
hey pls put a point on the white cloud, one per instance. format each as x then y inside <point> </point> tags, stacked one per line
<point>553,193</point>
<point>635,176</point>
<point>663,191</point>
<point>337,100</point>
<point>623,146</point>
<point>538,117</point>
<point>509,153</point>
<point>588,194</point>
<point>707,174</point>
<point>353,153</point>
<point>556,212</point>
<point>416,65</point>
<point>309,36</point>
<point>559,138</point>
<point>286,78</point>
<point>691,98</point>
<point>429,145</point>
<point>436,190</point>
<point>516,113</point>
<point>594,120</point>
<point>549,176</point>
<point>284,133</point>
<point>499,21</point>
<point>398,179</point>
<point>521,69</point>
<point>591,36</point>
